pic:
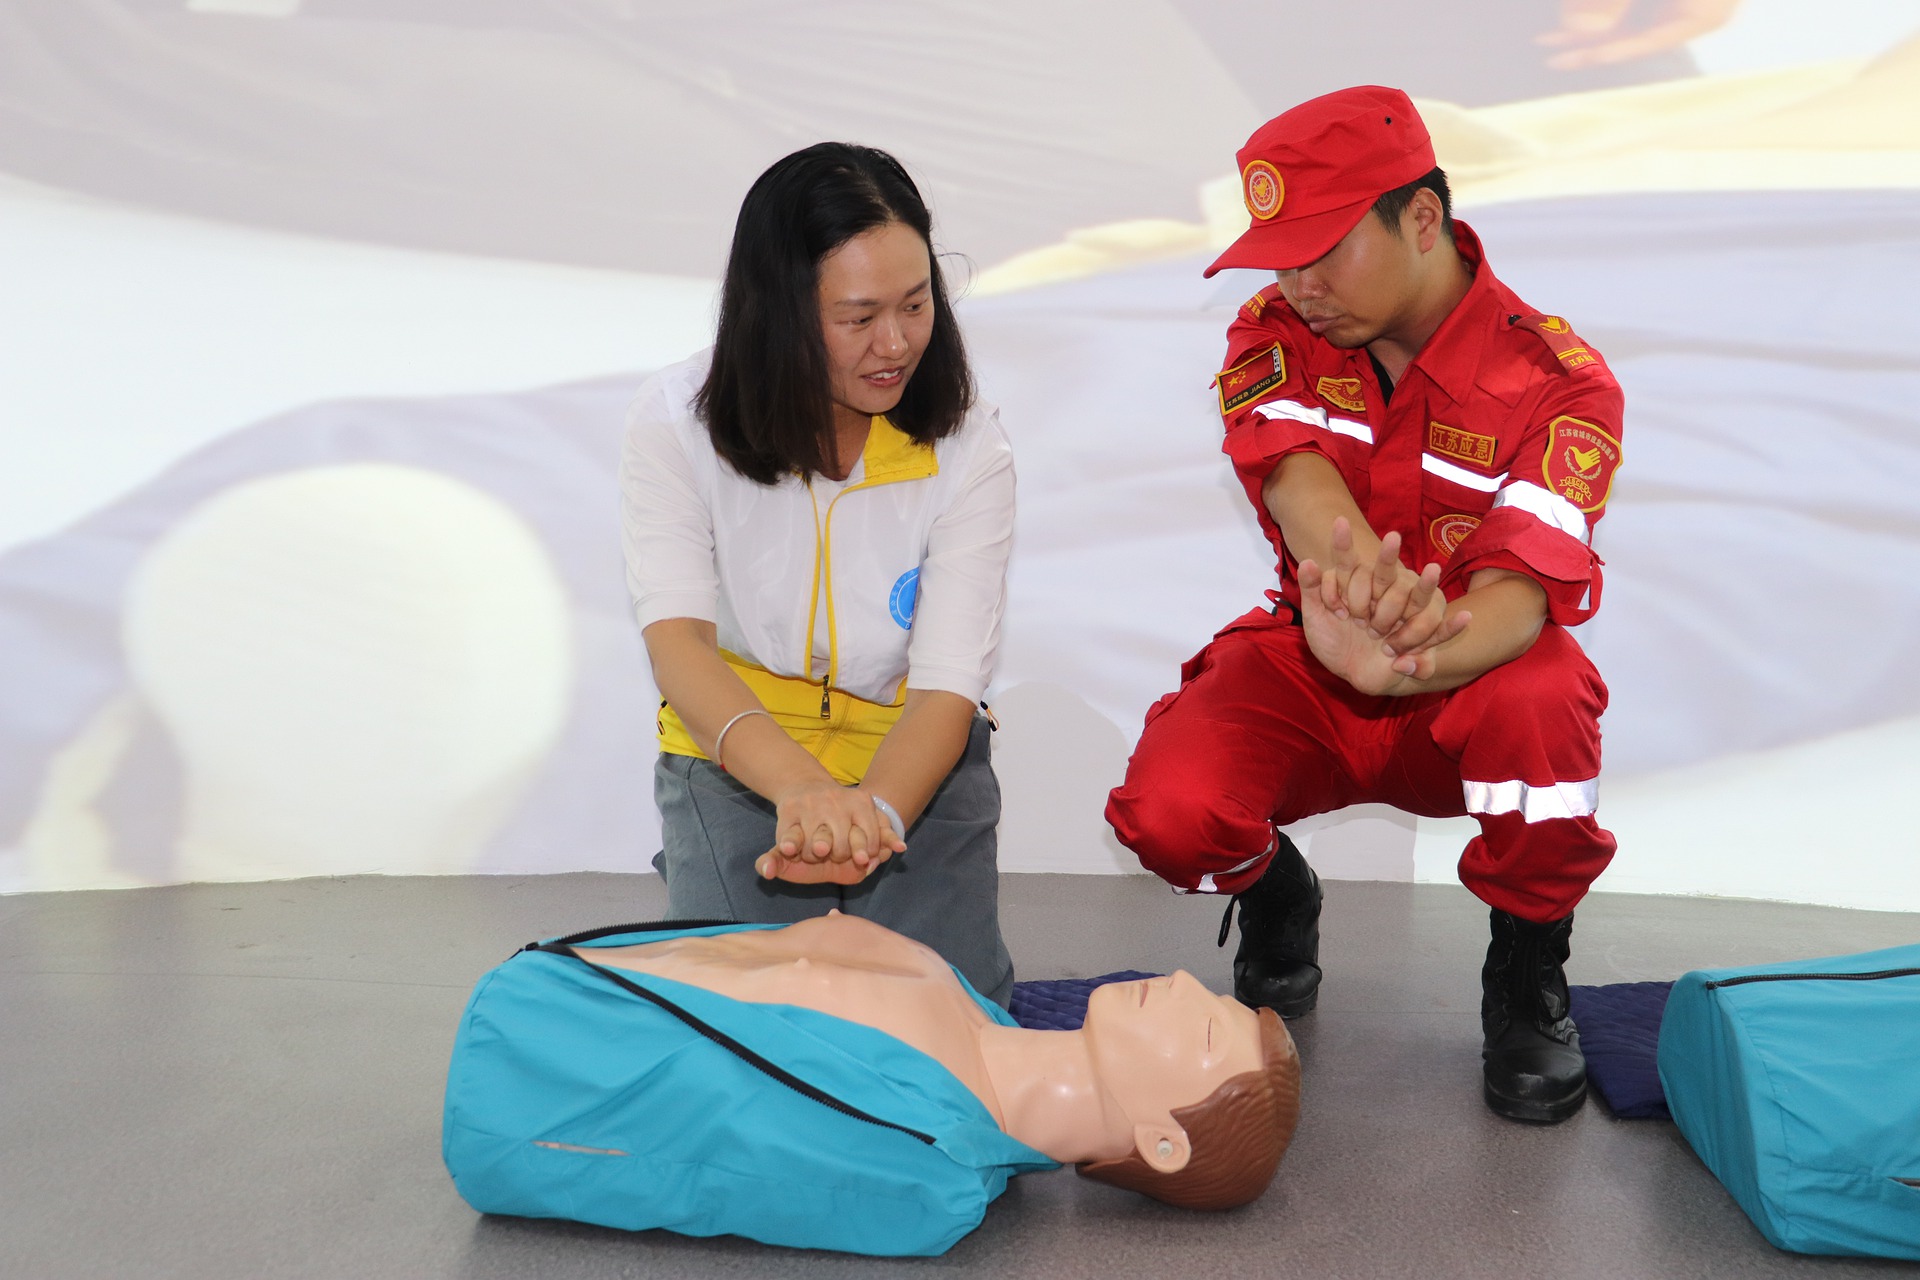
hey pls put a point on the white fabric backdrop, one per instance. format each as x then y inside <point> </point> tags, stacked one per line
<point>308,556</point>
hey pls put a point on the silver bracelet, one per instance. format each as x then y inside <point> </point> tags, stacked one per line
<point>720,741</point>
<point>890,813</point>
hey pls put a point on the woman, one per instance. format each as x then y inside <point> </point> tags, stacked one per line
<point>817,516</point>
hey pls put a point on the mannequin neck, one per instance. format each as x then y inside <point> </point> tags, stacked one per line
<point>1047,1095</point>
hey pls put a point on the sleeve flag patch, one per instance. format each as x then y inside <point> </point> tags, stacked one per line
<point>1246,381</point>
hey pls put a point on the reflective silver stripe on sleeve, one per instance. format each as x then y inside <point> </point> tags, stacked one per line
<point>1535,804</point>
<point>1348,427</point>
<point>1313,416</point>
<point>1545,506</point>
<point>1460,475</point>
<point>1294,410</point>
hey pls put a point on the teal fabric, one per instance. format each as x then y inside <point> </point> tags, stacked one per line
<point>1803,1097</point>
<point>654,1125</point>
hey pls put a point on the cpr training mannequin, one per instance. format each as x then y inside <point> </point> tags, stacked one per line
<point>1094,1097</point>
<point>932,1098</point>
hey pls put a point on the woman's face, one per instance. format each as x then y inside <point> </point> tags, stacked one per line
<point>1163,1043</point>
<point>876,314</point>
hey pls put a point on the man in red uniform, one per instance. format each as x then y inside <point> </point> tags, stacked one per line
<point>1389,404</point>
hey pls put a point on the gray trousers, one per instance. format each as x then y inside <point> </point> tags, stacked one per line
<point>944,891</point>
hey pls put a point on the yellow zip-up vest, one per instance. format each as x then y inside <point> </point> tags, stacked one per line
<point>837,728</point>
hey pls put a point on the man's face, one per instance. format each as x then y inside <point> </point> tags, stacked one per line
<point>1361,288</point>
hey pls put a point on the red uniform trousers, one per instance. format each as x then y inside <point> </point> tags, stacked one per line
<point>1260,734</point>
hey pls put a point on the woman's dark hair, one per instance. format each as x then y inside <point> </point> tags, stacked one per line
<point>767,402</point>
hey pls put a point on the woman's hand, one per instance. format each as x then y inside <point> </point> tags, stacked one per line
<point>828,834</point>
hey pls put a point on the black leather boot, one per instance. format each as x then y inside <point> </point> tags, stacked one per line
<point>1277,964</point>
<point>1532,1061</point>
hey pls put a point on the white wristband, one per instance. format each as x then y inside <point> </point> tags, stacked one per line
<point>891,814</point>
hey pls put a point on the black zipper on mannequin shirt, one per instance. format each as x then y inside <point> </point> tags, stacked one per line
<point>562,947</point>
<point>1743,979</point>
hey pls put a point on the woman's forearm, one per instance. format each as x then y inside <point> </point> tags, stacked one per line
<point>706,694</point>
<point>919,751</point>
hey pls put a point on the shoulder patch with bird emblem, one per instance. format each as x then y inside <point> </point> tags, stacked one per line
<point>1580,462</point>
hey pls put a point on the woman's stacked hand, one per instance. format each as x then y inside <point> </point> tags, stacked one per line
<point>829,834</point>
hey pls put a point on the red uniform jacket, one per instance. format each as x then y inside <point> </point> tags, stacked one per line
<point>1498,449</point>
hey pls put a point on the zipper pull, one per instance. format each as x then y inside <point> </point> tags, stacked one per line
<point>826,701</point>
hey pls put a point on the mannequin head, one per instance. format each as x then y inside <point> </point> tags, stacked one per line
<point>1233,1138</point>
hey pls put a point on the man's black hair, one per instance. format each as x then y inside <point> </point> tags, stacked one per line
<point>1390,206</point>
<point>767,402</point>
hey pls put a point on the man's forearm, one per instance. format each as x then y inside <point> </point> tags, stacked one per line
<point>1305,494</point>
<point>1508,611</point>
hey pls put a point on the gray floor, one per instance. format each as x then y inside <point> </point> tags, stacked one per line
<point>244,1081</point>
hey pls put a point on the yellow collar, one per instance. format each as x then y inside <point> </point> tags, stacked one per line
<point>891,454</point>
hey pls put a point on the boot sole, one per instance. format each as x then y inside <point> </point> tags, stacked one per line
<point>1296,1008</point>
<point>1531,1110</point>
<point>1290,1010</point>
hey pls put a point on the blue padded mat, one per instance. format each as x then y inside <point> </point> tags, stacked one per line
<point>1620,1033</point>
<point>1060,1004</point>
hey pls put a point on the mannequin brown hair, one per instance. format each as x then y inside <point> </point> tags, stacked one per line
<point>1238,1134</point>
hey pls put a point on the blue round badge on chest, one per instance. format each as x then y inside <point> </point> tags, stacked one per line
<point>906,594</point>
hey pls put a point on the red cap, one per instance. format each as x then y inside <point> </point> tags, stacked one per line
<point>1309,174</point>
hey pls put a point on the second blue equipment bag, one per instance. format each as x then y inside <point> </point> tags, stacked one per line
<point>1799,1086</point>
<point>603,1095</point>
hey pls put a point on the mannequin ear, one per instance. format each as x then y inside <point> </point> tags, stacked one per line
<point>1163,1146</point>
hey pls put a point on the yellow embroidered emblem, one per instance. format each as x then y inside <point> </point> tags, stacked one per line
<point>1560,338</point>
<point>1343,393</point>
<point>1264,189</point>
<point>1463,446</point>
<point>1580,462</point>
<point>1450,530</point>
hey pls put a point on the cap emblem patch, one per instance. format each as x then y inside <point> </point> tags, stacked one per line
<point>1264,189</point>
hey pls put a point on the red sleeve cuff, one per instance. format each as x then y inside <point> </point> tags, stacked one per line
<point>1565,567</point>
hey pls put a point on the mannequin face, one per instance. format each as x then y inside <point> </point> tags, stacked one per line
<point>1163,1043</point>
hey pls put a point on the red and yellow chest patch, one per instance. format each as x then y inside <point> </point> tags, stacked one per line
<point>1251,378</point>
<point>1449,531</point>
<point>1464,446</point>
<point>1343,393</point>
<point>1580,462</point>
